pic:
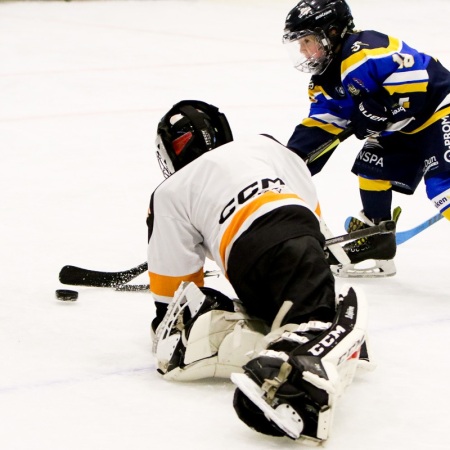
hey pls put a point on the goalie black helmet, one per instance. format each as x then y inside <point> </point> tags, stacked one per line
<point>188,130</point>
<point>313,30</point>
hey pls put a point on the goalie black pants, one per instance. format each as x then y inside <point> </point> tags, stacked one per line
<point>292,269</point>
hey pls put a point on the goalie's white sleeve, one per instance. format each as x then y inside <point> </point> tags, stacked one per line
<point>203,208</point>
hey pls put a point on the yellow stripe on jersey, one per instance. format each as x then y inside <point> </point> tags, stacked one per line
<point>328,127</point>
<point>406,88</point>
<point>434,118</point>
<point>446,213</point>
<point>243,214</point>
<point>166,286</point>
<point>373,185</point>
<point>315,92</point>
<point>366,53</point>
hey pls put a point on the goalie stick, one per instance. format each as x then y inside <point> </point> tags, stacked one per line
<point>78,276</point>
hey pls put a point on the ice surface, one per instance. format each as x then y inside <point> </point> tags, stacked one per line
<point>83,85</point>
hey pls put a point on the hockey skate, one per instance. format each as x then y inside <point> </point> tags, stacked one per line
<point>370,257</point>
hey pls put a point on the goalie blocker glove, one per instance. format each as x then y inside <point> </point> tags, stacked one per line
<point>291,388</point>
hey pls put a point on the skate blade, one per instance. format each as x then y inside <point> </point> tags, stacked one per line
<point>373,268</point>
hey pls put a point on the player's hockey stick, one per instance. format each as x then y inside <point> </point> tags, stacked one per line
<point>387,226</point>
<point>404,236</point>
<point>329,146</point>
<point>78,276</point>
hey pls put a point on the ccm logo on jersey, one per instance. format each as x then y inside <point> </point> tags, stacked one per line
<point>253,189</point>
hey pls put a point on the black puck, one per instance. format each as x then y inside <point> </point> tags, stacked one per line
<point>66,295</point>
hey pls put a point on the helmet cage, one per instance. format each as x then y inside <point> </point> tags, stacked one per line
<point>314,63</point>
<point>326,18</point>
<point>164,160</point>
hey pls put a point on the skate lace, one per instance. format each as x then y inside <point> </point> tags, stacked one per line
<point>360,244</point>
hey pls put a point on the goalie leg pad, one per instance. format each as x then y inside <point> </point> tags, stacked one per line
<point>293,393</point>
<point>202,336</point>
<point>219,344</point>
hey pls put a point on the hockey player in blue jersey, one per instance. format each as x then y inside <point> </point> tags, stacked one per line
<point>394,97</point>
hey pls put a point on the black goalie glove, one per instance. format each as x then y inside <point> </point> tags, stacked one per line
<point>291,388</point>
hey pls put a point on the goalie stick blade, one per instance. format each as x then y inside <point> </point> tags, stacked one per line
<point>77,276</point>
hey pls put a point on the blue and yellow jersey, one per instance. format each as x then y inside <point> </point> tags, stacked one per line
<point>372,64</point>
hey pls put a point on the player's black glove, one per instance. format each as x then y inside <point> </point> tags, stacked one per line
<point>370,118</point>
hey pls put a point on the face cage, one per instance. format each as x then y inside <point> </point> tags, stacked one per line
<point>164,161</point>
<point>315,63</point>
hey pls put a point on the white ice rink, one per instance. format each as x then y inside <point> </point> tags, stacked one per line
<point>82,87</point>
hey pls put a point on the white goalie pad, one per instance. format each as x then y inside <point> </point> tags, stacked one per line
<point>217,344</point>
<point>175,310</point>
<point>345,356</point>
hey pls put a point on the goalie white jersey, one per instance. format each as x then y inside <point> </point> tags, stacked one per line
<point>202,209</point>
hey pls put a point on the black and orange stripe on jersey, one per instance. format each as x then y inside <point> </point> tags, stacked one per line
<point>251,212</point>
<point>166,285</point>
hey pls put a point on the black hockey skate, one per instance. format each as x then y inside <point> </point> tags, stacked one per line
<point>370,257</point>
